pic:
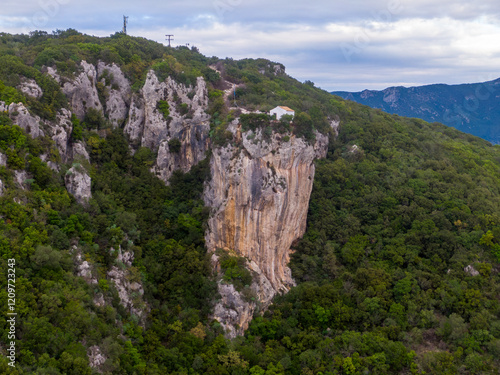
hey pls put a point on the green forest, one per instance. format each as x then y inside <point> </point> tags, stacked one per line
<point>398,272</point>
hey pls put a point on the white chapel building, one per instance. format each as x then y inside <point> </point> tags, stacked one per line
<point>281,111</point>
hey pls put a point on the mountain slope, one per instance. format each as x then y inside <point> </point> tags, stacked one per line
<point>150,218</point>
<point>471,108</point>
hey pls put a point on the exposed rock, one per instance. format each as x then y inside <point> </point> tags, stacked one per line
<point>135,123</point>
<point>155,128</point>
<point>354,149</point>
<point>84,268</point>
<point>3,160</point>
<point>130,293</point>
<point>149,127</point>
<point>96,358</point>
<point>30,87</point>
<point>60,132</point>
<point>471,271</point>
<point>99,300</point>
<point>118,100</point>
<point>232,311</point>
<point>82,92</point>
<point>259,197</point>
<point>126,257</point>
<point>20,178</point>
<point>53,73</point>
<point>335,124</point>
<point>1,188</point>
<point>79,151</point>
<point>78,184</point>
<point>391,95</point>
<point>50,164</point>
<point>20,115</point>
<point>194,142</point>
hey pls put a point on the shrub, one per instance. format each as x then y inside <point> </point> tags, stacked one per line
<point>174,145</point>
<point>234,270</point>
<point>164,108</point>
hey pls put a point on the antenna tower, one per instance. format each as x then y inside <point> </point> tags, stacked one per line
<point>169,38</point>
<point>125,21</point>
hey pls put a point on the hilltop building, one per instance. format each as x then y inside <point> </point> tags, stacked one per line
<point>280,111</point>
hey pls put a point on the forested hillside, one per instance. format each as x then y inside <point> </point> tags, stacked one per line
<point>398,272</point>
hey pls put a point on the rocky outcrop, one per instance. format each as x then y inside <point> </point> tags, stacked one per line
<point>185,121</point>
<point>20,178</point>
<point>259,195</point>
<point>96,358</point>
<point>29,87</point>
<point>79,151</point>
<point>78,184</point>
<point>20,115</point>
<point>194,142</point>
<point>471,271</point>
<point>130,291</point>
<point>84,269</point>
<point>59,130</point>
<point>118,93</point>
<point>82,92</point>
<point>232,310</point>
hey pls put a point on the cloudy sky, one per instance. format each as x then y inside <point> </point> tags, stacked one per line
<point>338,44</point>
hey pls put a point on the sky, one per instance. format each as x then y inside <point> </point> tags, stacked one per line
<point>347,45</point>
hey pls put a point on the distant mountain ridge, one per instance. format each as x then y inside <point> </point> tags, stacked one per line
<point>472,108</point>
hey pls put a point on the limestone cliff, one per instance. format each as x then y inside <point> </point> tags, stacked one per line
<point>105,87</point>
<point>186,121</point>
<point>259,195</point>
<point>117,92</point>
<point>82,91</point>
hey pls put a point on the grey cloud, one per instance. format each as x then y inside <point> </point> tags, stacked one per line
<point>391,42</point>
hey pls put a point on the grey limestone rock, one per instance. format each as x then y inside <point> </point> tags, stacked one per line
<point>29,87</point>
<point>147,125</point>
<point>82,91</point>
<point>20,115</point>
<point>78,184</point>
<point>119,92</point>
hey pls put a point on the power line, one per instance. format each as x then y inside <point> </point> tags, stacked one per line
<point>169,36</point>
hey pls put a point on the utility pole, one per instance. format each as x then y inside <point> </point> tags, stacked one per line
<point>125,21</point>
<point>169,38</point>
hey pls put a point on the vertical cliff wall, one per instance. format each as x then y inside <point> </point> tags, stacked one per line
<point>259,194</point>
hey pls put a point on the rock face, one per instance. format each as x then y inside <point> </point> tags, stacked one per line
<point>130,292</point>
<point>259,196</point>
<point>186,122</point>
<point>118,92</point>
<point>59,130</point>
<point>96,358</point>
<point>82,92</point>
<point>19,115</point>
<point>29,87</point>
<point>78,184</point>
